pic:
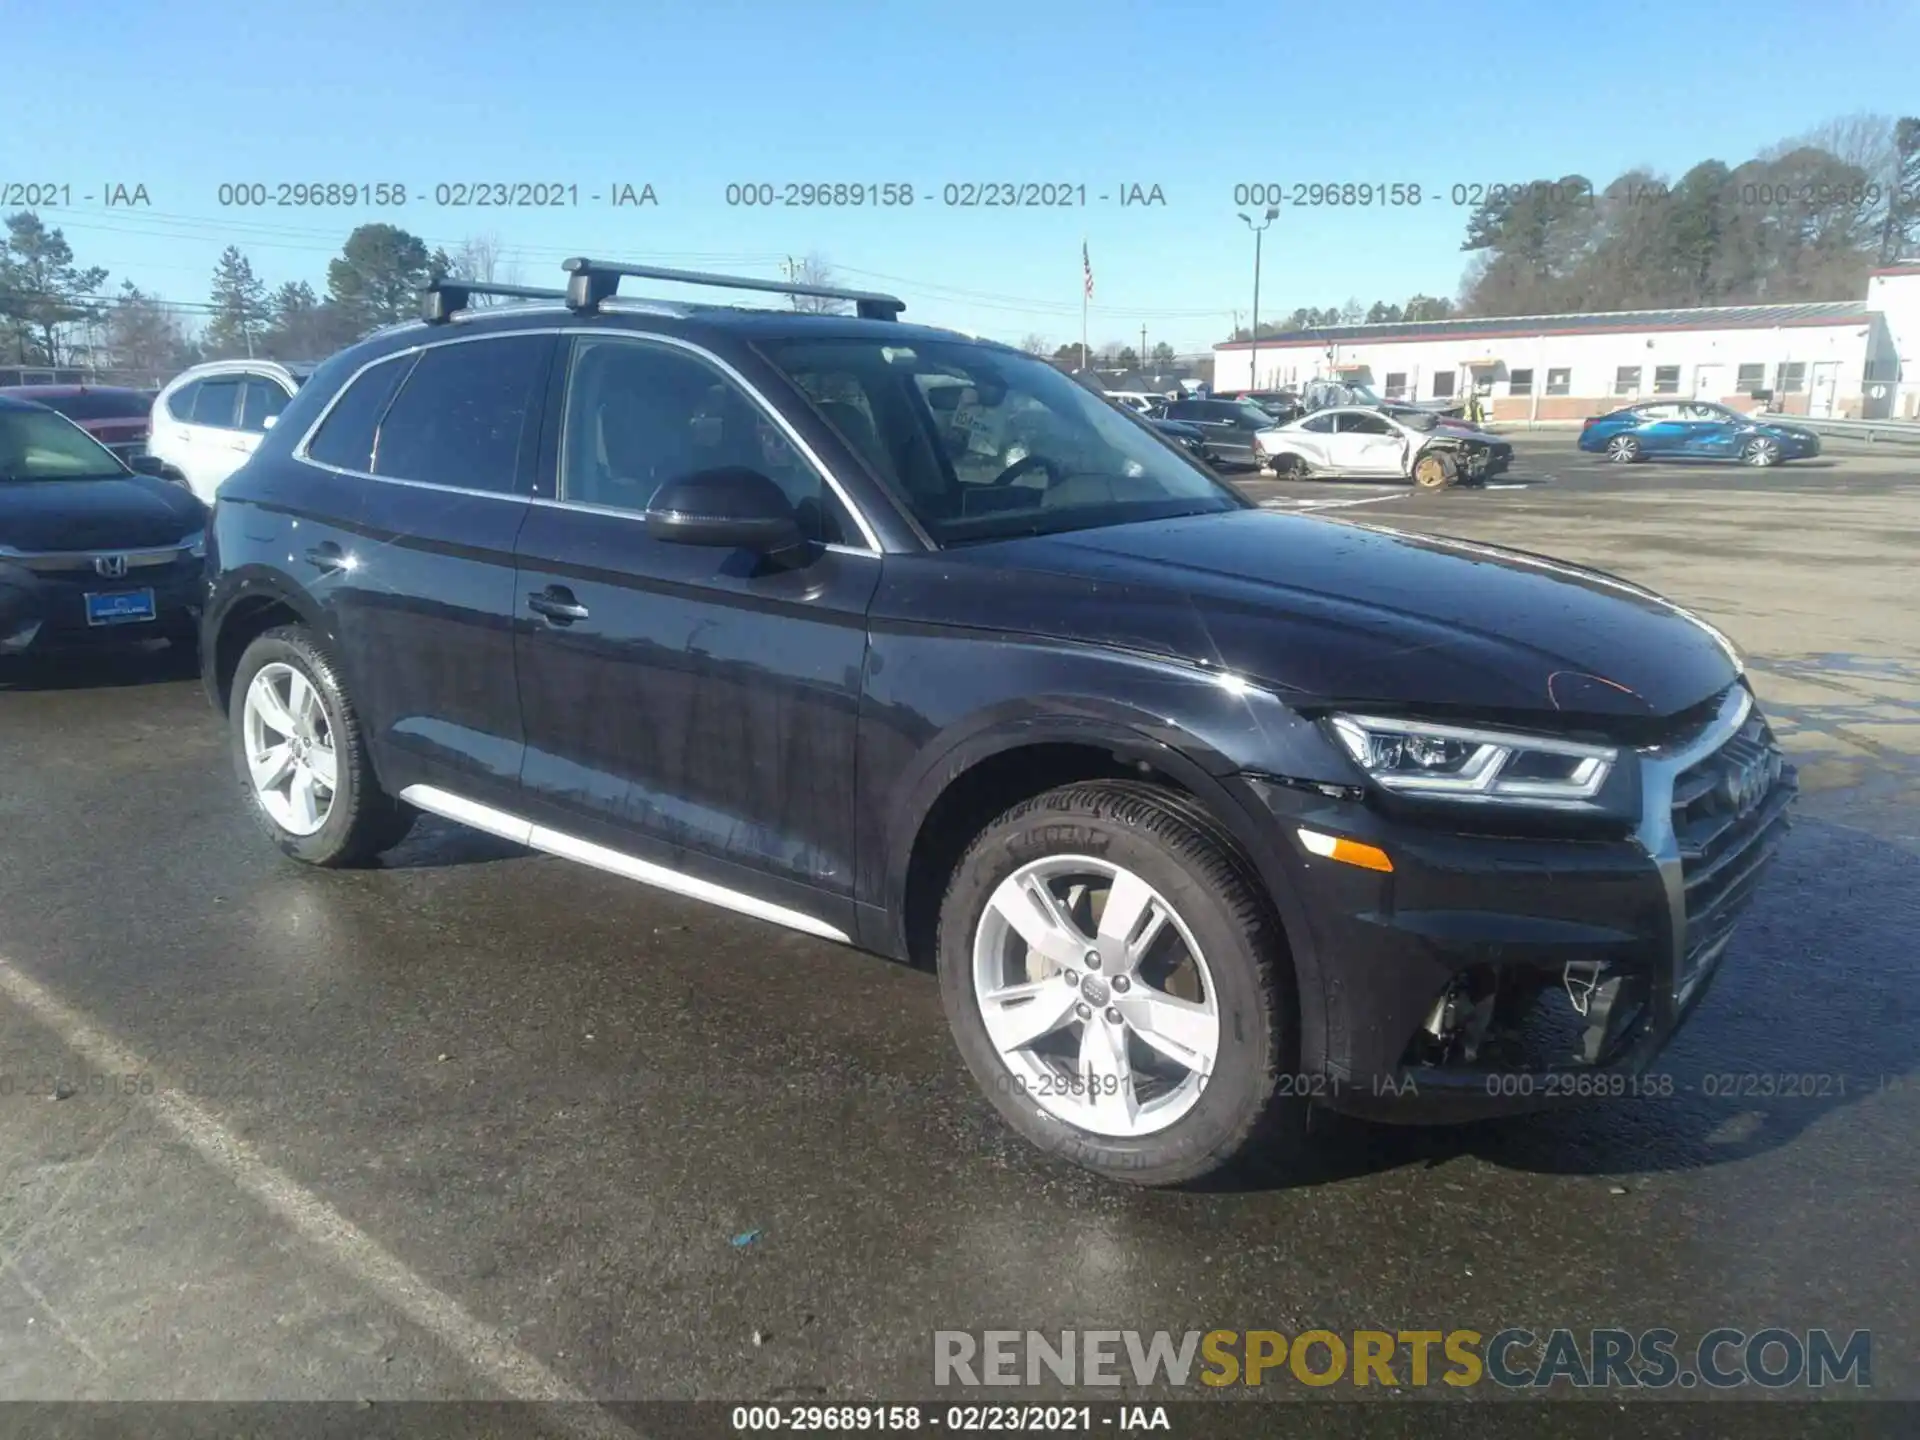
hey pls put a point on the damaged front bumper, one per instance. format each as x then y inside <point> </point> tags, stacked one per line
<point>1488,975</point>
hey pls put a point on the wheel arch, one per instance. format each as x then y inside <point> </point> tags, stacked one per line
<point>988,771</point>
<point>252,605</point>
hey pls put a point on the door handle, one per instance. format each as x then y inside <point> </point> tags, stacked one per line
<point>556,602</point>
<point>327,556</point>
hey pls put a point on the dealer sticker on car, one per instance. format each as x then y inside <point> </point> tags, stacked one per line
<point>120,607</point>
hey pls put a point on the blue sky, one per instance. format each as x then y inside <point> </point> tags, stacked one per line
<point>1195,97</point>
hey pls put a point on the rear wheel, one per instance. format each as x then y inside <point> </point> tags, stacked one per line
<point>1118,985</point>
<point>1762,451</point>
<point>1623,450</point>
<point>301,758</point>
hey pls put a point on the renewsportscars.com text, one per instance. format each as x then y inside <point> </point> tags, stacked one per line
<point>1772,1358</point>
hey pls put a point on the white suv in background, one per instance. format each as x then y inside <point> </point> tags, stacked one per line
<point>208,419</point>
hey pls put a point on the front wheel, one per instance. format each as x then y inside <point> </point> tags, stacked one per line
<point>1431,472</point>
<point>1118,984</point>
<point>1761,451</point>
<point>301,758</point>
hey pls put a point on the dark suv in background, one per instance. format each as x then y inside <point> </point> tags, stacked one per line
<point>1202,813</point>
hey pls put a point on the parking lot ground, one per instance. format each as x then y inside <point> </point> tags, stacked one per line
<point>483,1124</point>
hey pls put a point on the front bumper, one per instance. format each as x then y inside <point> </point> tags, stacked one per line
<point>43,598</point>
<point>1617,939</point>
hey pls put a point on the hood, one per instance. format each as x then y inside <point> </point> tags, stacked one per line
<point>1777,427</point>
<point>1340,611</point>
<point>1462,431</point>
<point>126,512</point>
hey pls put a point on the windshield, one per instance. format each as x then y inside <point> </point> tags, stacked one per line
<point>40,445</point>
<point>983,444</point>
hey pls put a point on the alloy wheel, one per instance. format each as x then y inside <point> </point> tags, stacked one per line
<point>1763,452</point>
<point>1096,996</point>
<point>289,748</point>
<point>1622,449</point>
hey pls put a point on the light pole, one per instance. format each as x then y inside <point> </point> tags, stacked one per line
<point>1253,354</point>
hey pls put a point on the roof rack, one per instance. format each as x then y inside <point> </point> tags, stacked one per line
<point>443,299</point>
<point>592,281</point>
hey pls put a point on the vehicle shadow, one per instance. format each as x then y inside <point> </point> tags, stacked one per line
<point>1707,462</point>
<point>1812,1013</point>
<point>437,844</point>
<point>140,662</point>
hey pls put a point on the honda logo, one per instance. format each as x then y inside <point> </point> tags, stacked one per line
<point>113,567</point>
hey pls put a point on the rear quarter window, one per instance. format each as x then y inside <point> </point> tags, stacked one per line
<point>180,402</point>
<point>345,436</point>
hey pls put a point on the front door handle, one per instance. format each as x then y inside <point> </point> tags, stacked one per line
<point>556,602</point>
<point>327,556</point>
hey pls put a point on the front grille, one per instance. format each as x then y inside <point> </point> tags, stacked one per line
<point>1729,816</point>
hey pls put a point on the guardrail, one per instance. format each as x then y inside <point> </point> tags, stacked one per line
<point>1897,432</point>
<point>1872,432</point>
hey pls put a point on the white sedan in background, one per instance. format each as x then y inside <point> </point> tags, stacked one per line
<point>1357,441</point>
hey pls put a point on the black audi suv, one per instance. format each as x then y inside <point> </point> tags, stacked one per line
<point>1203,814</point>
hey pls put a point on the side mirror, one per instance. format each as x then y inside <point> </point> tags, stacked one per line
<point>267,423</point>
<point>148,465</point>
<point>734,508</point>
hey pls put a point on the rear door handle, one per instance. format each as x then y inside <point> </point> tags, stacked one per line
<point>327,556</point>
<point>556,602</point>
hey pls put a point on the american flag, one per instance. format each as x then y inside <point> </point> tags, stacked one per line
<point>1086,267</point>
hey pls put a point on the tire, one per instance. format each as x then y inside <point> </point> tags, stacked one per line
<point>1624,450</point>
<point>360,819</point>
<point>1433,472</point>
<point>1216,967</point>
<point>1761,452</point>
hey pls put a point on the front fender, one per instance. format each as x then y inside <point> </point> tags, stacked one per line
<point>974,699</point>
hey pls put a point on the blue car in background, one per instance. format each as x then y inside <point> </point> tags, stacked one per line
<point>1696,429</point>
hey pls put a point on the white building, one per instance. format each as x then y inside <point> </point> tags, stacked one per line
<point>1858,358</point>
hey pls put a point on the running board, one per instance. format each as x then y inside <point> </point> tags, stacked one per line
<point>521,831</point>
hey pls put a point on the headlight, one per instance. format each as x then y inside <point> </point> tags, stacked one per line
<point>1451,762</point>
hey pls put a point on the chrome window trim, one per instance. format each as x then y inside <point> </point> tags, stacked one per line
<point>300,449</point>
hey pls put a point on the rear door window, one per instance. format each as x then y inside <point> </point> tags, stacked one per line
<point>463,416</point>
<point>218,402</point>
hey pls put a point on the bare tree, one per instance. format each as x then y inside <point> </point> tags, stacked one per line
<point>813,269</point>
<point>481,259</point>
<point>1863,139</point>
<point>1036,345</point>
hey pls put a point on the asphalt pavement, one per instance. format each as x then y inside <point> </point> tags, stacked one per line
<point>483,1124</point>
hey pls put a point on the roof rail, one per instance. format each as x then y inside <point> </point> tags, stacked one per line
<point>443,299</point>
<point>595,280</point>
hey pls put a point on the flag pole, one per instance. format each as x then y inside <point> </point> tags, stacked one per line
<point>1086,267</point>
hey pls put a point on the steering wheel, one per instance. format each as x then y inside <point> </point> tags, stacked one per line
<point>1025,463</point>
